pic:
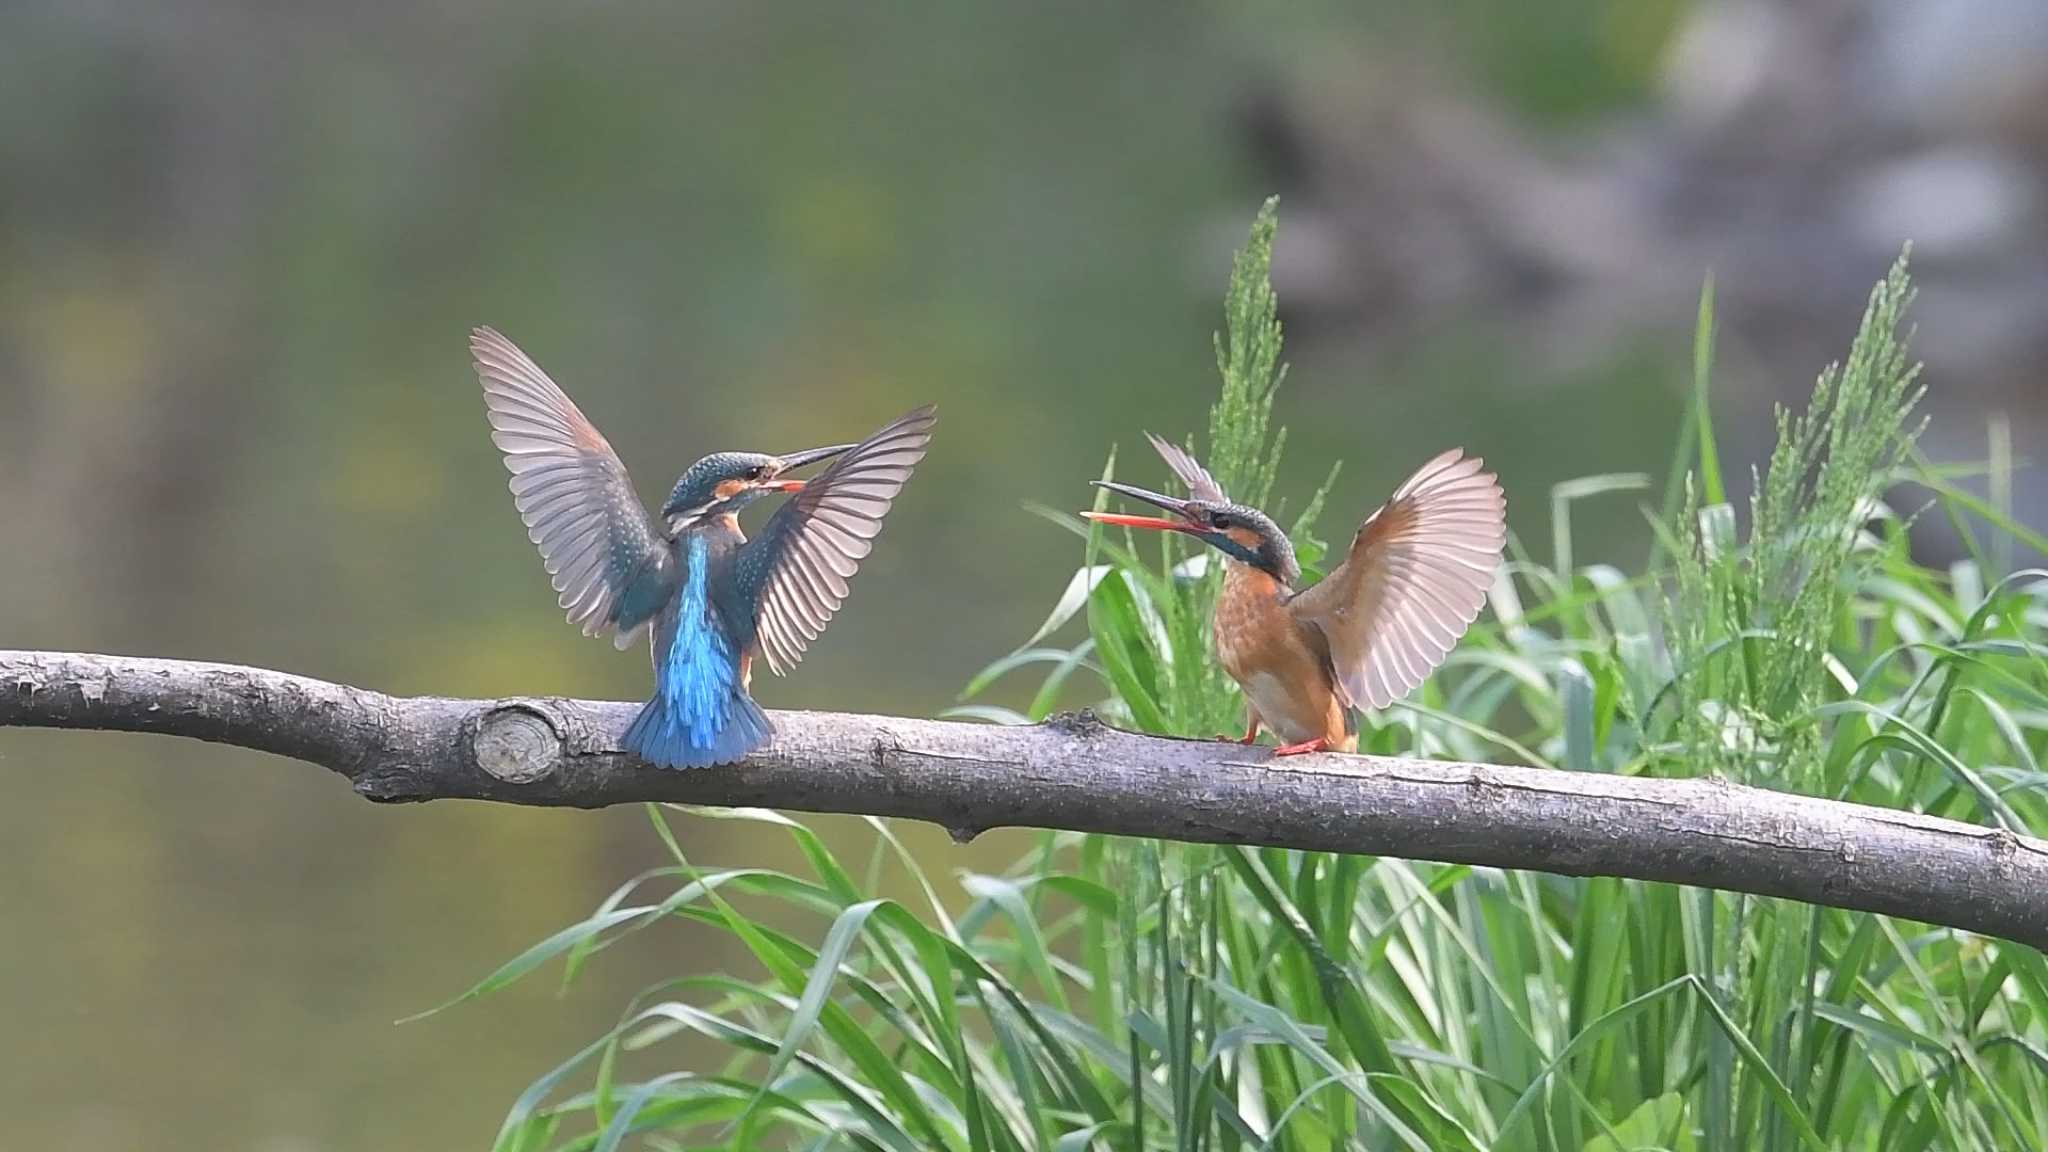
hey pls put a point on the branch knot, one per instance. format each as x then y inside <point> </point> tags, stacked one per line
<point>516,743</point>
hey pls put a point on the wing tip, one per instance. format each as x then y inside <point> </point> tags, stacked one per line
<point>916,424</point>
<point>918,421</point>
<point>1453,473</point>
<point>484,338</point>
<point>1196,478</point>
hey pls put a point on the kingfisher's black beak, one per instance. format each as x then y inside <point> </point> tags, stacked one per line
<point>796,460</point>
<point>1177,507</point>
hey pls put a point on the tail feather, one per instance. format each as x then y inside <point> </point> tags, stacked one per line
<point>700,713</point>
<point>666,740</point>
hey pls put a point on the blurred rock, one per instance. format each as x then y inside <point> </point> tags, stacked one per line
<point>1791,149</point>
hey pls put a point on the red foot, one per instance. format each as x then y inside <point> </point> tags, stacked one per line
<point>1319,744</point>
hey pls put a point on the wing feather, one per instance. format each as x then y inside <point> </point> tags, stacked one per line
<point>610,566</point>
<point>1200,484</point>
<point>1415,579</point>
<point>797,570</point>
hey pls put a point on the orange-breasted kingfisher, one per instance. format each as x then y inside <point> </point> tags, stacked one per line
<point>710,599</point>
<point>1366,634</point>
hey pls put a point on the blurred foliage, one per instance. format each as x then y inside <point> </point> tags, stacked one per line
<point>1562,62</point>
<point>1112,994</point>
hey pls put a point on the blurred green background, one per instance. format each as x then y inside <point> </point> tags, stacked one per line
<point>241,246</point>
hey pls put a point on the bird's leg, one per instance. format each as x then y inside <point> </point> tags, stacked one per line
<point>1319,744</point>
<point>1251,728</point>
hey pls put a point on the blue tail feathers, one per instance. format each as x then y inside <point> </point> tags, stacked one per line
<point>700,713</point>
<point>662,737</point>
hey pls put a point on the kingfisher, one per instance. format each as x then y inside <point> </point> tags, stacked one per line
<point>709,599</point>
<point>1365,635</point>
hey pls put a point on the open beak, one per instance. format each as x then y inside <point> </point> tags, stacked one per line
<point>796,460</point>
<point>1177,507</point>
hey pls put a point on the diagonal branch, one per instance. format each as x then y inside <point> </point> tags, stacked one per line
<point>1075,773</point>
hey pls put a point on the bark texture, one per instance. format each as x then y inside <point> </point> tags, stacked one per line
<point>1075,773</point>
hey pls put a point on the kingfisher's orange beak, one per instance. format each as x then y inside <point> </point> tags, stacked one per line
<point>784,485</point>
<point>1121,520</point>
<point>1178,507</point>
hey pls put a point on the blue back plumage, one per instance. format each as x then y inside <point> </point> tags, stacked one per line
<point>700,713</point>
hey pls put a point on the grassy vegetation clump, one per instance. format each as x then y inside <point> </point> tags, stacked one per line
<point>1106,994</point>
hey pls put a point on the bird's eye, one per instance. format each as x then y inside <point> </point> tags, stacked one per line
<point>757,472</point>
<point>1220,519</point>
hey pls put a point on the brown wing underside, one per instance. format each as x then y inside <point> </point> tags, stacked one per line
<point>1415,579</point>
<point>607,559</point>
<point>798,569</point>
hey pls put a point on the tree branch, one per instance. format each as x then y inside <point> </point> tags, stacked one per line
<point>1075,773</point>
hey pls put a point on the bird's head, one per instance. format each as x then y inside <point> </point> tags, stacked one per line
<point>724,482</point>
<point>1244,534</point>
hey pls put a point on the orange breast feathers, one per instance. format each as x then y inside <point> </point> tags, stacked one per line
<point>1275,659</point>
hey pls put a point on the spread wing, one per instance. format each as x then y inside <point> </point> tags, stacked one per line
<point>796,570</point>
<point>1414,581</point>
<point>607,560</point>
<point>1201,485</point>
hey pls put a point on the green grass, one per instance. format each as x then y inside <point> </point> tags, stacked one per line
<point>1114,994</point>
